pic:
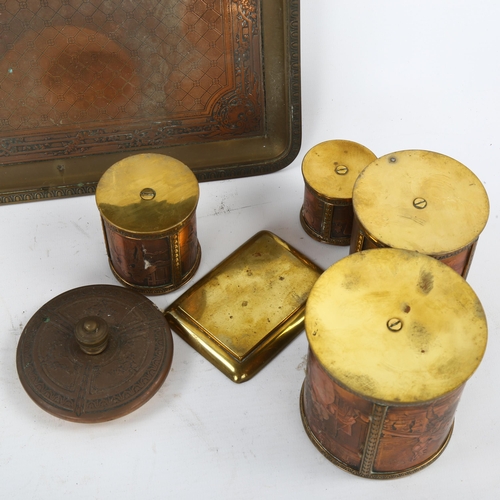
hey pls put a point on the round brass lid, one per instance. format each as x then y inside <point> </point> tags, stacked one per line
<point>94,353</point>
<point>147,193</point>
<point>395,327</point>
<point>332,167</point>
<point>422,201</point>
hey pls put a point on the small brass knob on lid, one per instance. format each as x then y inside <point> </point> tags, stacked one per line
<point>94,353</point>
<point>92,334</point>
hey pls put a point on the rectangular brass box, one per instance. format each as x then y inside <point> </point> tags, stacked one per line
<point>248,308</point>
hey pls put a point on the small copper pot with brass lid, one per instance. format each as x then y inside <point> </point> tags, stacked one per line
<point>148,210</point>
<point>421,201</point>
<point>330,170</point>
<point>393,337</point>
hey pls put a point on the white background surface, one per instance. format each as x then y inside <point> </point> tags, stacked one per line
<point>388,74</point>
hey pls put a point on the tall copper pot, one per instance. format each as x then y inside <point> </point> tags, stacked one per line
<point>393,338</point>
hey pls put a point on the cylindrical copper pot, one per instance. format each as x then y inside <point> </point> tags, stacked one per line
<point>330,170</point>
<point>421,201</point>
<point>393,337</point>
<point>148,209</point>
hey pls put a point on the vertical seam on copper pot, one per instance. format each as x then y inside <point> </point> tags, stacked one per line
<point>175,249</point>
<point>326,225</point>
<point>360,242</point>
<point>371,445</point>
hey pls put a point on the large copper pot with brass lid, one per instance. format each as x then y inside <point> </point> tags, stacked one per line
<point>421,201</point>
<point>393,336</point>
<point>330,170</point>
<point>148,209</point>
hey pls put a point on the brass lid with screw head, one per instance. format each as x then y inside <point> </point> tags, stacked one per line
<point>331,168</point>
<point>395,327</point>
<point>147,194</point>
<point>422,201</point>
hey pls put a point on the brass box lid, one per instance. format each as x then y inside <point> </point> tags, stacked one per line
<point>248,308</point>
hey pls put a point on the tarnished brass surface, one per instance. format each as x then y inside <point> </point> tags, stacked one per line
<point>332,167</point>
<point>422,201</point>
<point>352,326</point>
<point>241,314</point>
<point>66,381</point>
<point>147,194</point>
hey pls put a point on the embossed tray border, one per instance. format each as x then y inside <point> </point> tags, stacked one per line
<point>225,159</point>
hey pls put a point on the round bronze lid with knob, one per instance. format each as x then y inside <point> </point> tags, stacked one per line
<point>148,205</point>
<point>393,336</point>
<point>94,353</point>
<point>421,201</point>
<point>330,170</point>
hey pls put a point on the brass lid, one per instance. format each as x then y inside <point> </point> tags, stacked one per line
<point>332,167</point>
<point>395,327</point>
<point>147,193</point>
<point>94,353</point>
<point>422,201</point>
<point>244,311</point>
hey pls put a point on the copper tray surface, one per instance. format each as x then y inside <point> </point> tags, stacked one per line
<point>248,308</point>
<point>83,84</point>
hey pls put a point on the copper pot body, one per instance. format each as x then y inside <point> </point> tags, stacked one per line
<point>460,260</point>
<point>369,439</point>
<point>154,265</point>
<point>393,338</point>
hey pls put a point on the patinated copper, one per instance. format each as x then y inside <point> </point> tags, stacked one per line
<point>393,337</point>
<point>148,208</point>
<point>422,201</point>
<point>330,170</point>
<point>85,84</point>
<point>94,353</point>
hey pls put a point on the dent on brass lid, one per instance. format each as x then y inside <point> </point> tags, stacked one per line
<point>332,167</point>
<point>147,193</point>
<point>395,326</point>
<point>94,353</point>
<point>420,200</point>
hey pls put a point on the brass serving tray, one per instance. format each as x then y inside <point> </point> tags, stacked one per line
<point>213,83</point>
<point>248,308</point>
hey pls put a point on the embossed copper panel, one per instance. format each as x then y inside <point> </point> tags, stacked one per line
<point>84,84</point>
<point>394,335</point>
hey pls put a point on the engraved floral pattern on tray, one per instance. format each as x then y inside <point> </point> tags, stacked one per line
<point>88,76</point>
